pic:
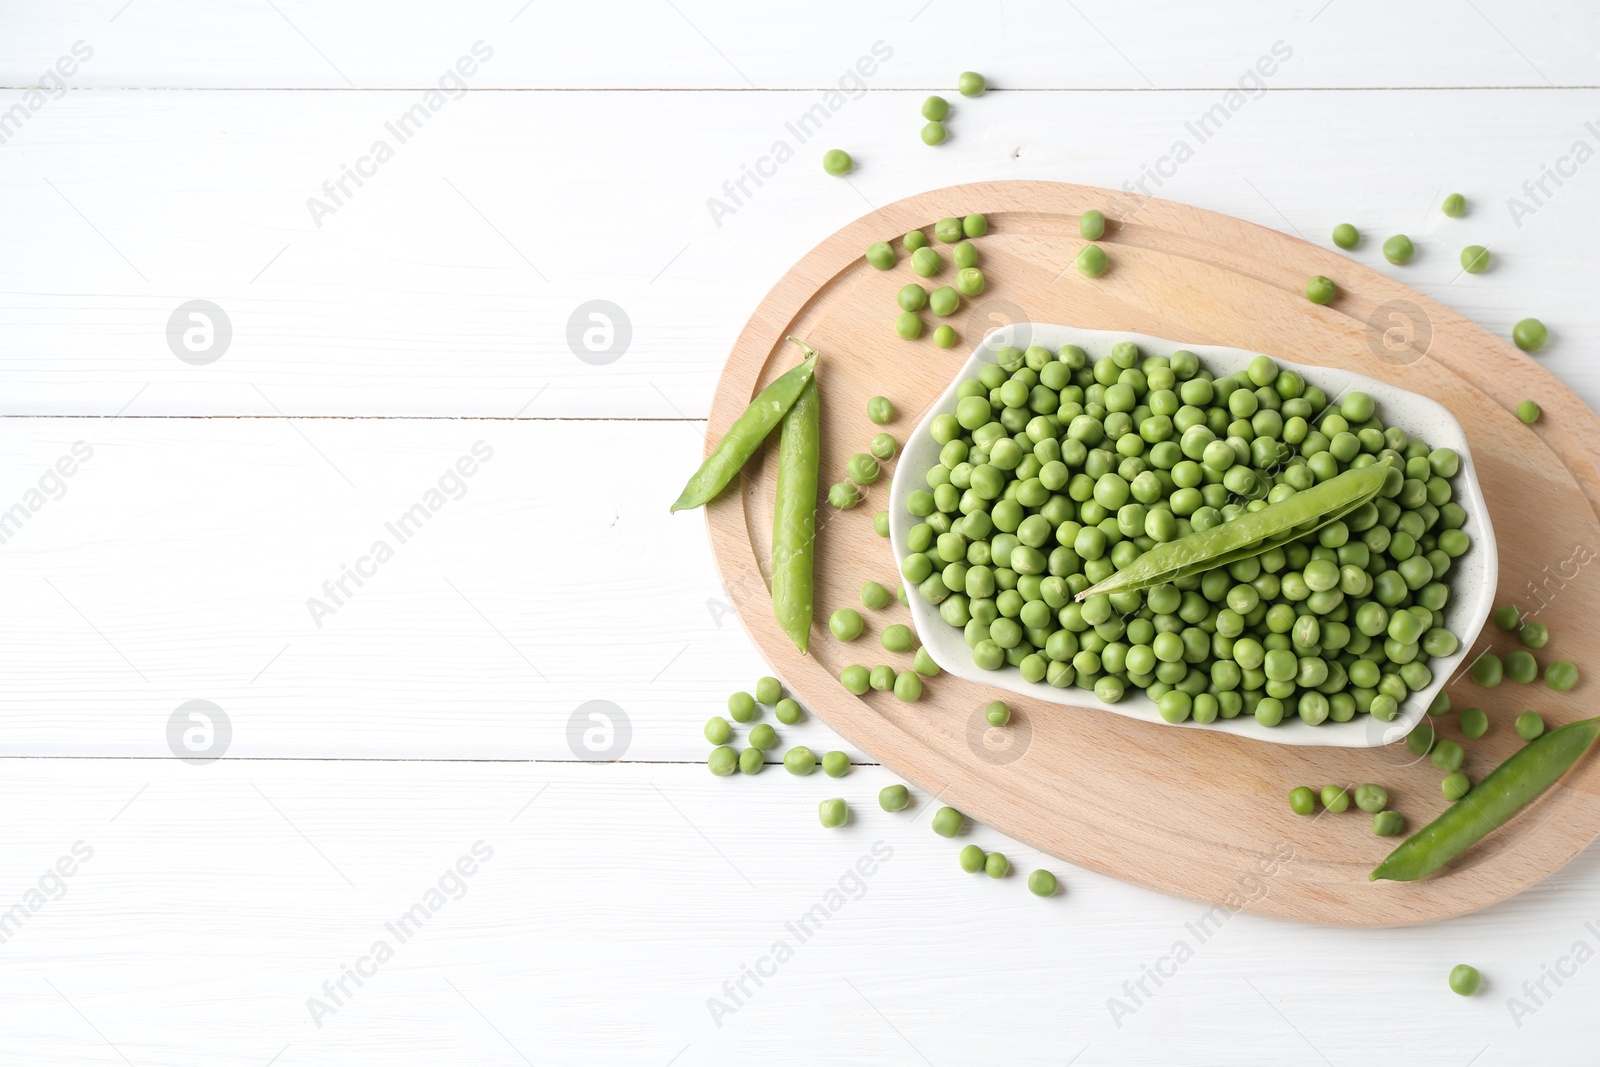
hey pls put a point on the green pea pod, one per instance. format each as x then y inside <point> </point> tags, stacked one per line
<point>745,436</point>
<point>1528,772</point>
<point>1250,534</point>
<point>794,516</point>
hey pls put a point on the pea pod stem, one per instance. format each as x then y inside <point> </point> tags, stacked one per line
<point>751,428</point>
<point>794,515</point>
<point>1248,535</point>
<point>1528,772</point>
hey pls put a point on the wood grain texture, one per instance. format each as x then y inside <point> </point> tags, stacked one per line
<point>1186,812</point>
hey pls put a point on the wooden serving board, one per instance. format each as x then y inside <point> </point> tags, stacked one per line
<point>1198,814</point>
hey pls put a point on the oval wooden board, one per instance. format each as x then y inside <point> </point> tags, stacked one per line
<point>1193,813</point>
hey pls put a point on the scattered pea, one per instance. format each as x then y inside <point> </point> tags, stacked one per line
<point>1346,236</point>
<point>935,108</point>
<point>1440,705</point>
<point>833,812</point>
<point>855,678</point>
<point>1420,740</point>
<point>763,737</point>
<point>799,760</point>
<point>912,297</point>
<point>944,336</point>
<point>1302,801</point>
<point>880,410</point>
<point>1474,722</point>
<point>964,254</point>
<point>1533,634</point>
<point>1388,823</point>
<point>1321,290</point>
<point>835,764</point>
<point>1455,785</point>
<point>894,797</point>
<point>1487,670</point>
<point>1335,798</point>
<point>970,282</point>
<point>947,230</point>
<point>1398,249</point>
<point>1561,675</point>
<point>1529,725</point>
<point>944,301</point>
<point>927,262</point>
<point>880,255</point>
<point>1092,225</point>
<point>908,325</point>
<point>1091,261</point>
<point>723,761</point>
<point>914,240</point>
<point>997,713</point>
<point>971,859</point>
<point>1455,205</point>
<point>1507,617</point>
<point>751,761</point>
<point>947,822</point>
<point>1529,411</point>
<point>1371,798</point>
<point>1447,755</point>
<point>1521,666</point>
<point>996,865</point>
<point>742,706</point>
<point>971,83</point>
<point>897,638</point>
<point>882,678</point>
<point>934,133</point>
<point>1529,335</point>
<point>908,686</point>
<point>844,495</point>
<point>880,523</point>
<point>1465,979</point>
<point>862,468</point>
<point>975,225</point>
<point>718,730</point>
<point>837,162</point>
<point>923,664</point>
<point>768,690</point>
<point>1042,884</point>
<point>845,624</point>
<point>788,711</point>
<point>1475,259</point>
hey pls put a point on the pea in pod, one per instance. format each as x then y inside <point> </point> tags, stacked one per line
<point>794,513</point>
<point>1251,534</point>
<point>1528,772</point>
<point>745,436</point>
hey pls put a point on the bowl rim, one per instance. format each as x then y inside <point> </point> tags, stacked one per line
<point>1363,731</point>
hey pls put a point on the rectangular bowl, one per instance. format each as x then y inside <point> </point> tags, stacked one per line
<point>1472,578</point>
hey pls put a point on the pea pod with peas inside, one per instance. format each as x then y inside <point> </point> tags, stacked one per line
<point>746,434</point>
<point>1528,772</point>
<point>1248,535</point>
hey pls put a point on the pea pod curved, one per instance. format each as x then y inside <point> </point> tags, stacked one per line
<point>1527,773</point>
<point>1250,534</point>
<point>745,436</point>
<point>794,514</point>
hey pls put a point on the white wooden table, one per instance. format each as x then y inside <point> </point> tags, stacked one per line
<point>423,717</point>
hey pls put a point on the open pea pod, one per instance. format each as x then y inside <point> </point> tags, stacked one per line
<point>751,428</point>
<point>1250,534</point>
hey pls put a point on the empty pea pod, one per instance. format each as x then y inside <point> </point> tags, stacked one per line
<point>794,513</point>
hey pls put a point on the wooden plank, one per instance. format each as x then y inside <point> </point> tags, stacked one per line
<point>1187,275</point>
<point>422,294</point>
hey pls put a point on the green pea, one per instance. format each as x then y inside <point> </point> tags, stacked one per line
<point>1507,617</point>
<point>1346,236</point>
<point>1474,722</point>
<point>912,297</point>
<point>927,262</point>
<point>971,83</point>
<point>1487,670</point>
<point>1042,883</point>
<point>1465,979</point>
<point>751,761</point>
<point>862,468</point>
<point>1388,824</point>
<point>833,812</point>
<point>972,859</point>
<point>969,282</point>
<point>880,255</point>
<point>1533,634</point>
<point>1371,798</point>
<point>897,638</point>
<point>1447,755</point>
<point>947,822</point>
<point>874,596</point>
<point>799,760</point>
<point>908,325</point>
<point>1092,225</point>
<point>1335,798</point>
<point>947,230</point>
<point>837,161</point>
<point>923,664</point>
<point>768,690</point>
<point>1475,259</point>
<point>1455,205</point>
<point>996,865</point>
<point>835,764</point>
<point>1398,249</point>
<point>975,225</point>
<point>855,678</point>
<point>1529,411</point>
<point>723,761</point>
<point>914,240</point>
<point>843,495</point>
<point>763,737</point>
<point>788,710</point>
<point>908,686</point>
<point>1529,335</point>
<point>880,523</point>
<point>964,254</point>
<point>1455,785</point>
<point>882,678</point>
<point>1420,740</point>
<point>894,797</point>
<point>1529,725</point>
<point>1521,666</point>
<point>718,730</point>
<point>1561,675</point>
<point>742,706</point>
<point>1440,705</point>
<point>879,409</point>
<point>934,133</point>
<point>944,301</point>
<point>883,446</point>
<point>935,108</point>
<point>1321,290</point>
<point>1091,261</point>
<point>1302,801</point>
<point>944,336</point>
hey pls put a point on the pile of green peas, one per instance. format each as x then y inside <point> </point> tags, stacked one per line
<point>1056,470</point>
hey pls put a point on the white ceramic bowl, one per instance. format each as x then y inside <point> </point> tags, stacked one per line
<point>1472,579</point>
